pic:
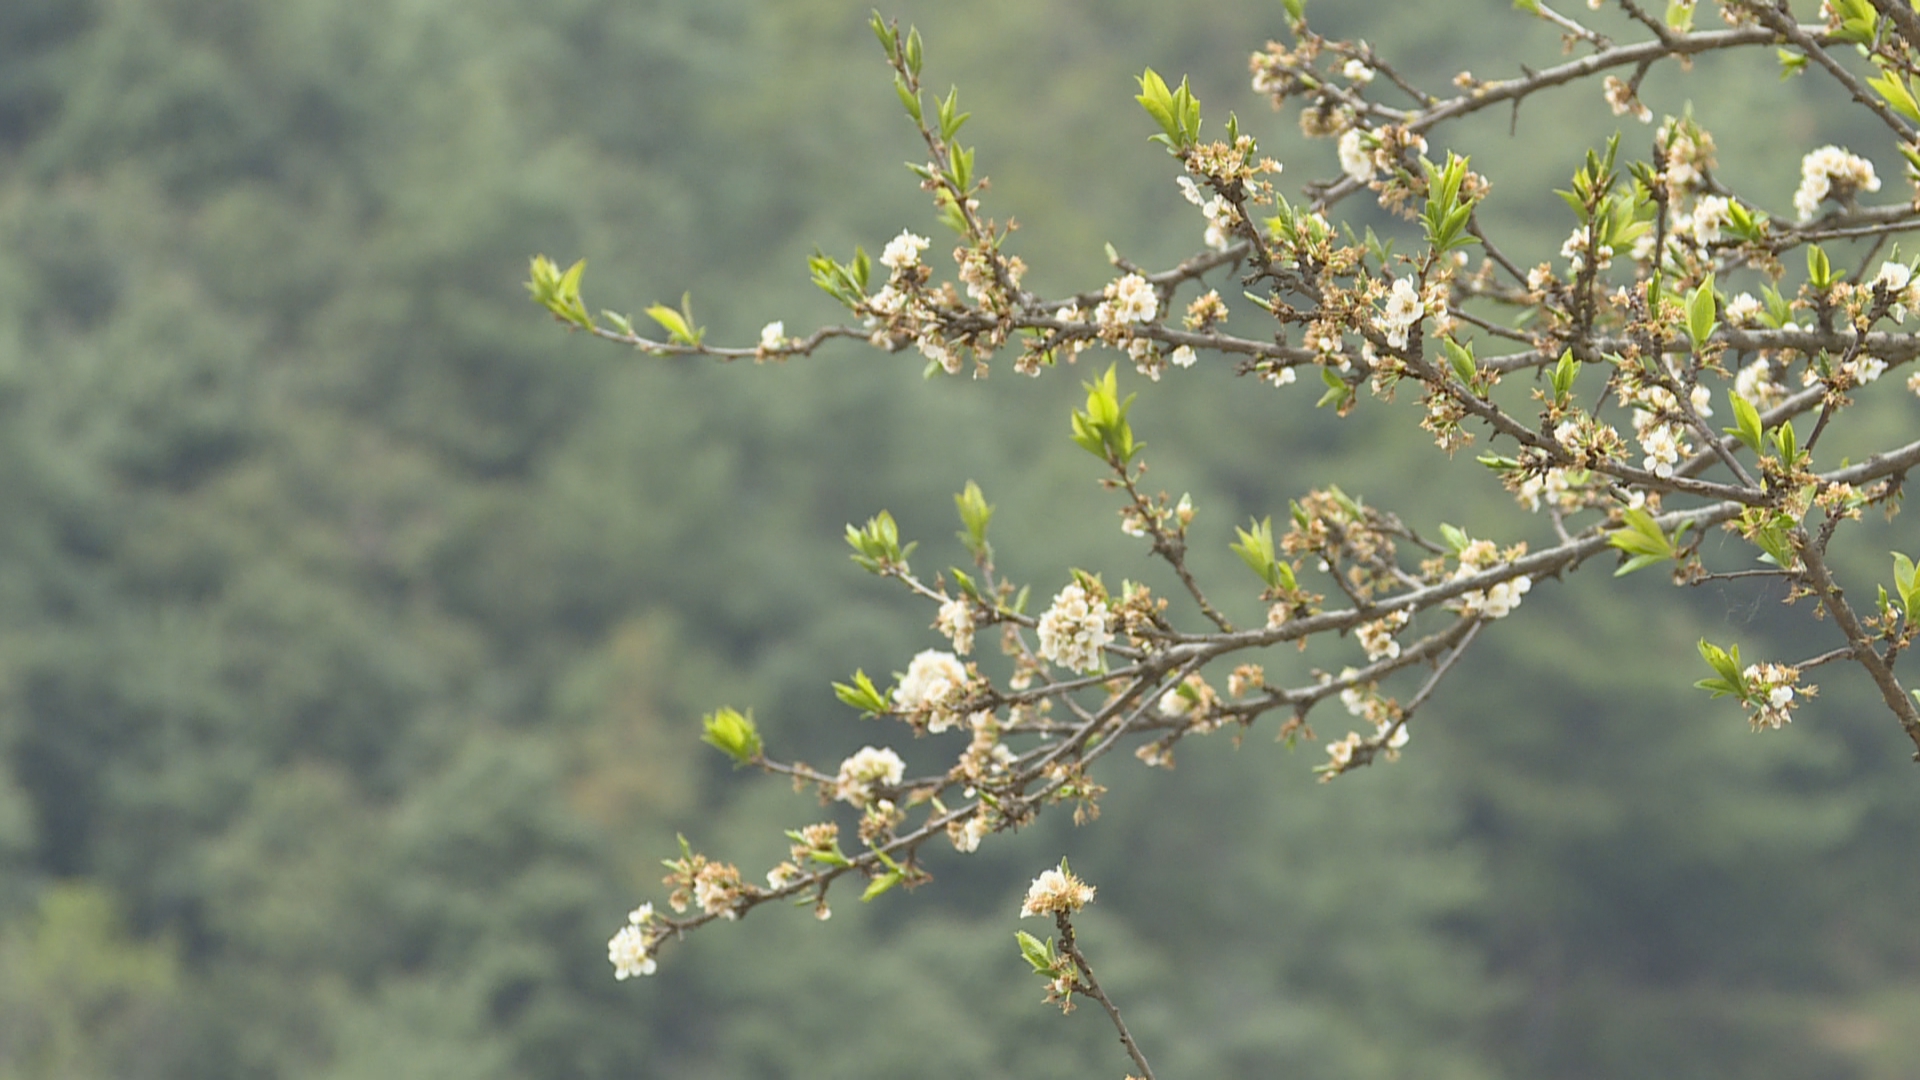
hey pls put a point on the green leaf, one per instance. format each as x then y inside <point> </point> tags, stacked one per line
<point>1036,953</point>
<point>884,32</point>
<point>975,514</point>
<point>733,734</point>
<point>1819,269</point>
<point>876,546</point>
<point>862,695</point>
<point>881,884</point>
<point>1339,392</point>
<point>1102,429</point>
<point>1462,360</point>
<point>950,117</point>
<point>1857,20</point>
<point>1893,89</point>
<point>1746,422</point>
<point>1700,312</point>
<point>1255,548</point>
<point>908,97</point>
<point>1787,444</point>
<point>1728,679</point>
<point>1906,586</point>
<point>1565,373</point>
<point>1642,538</point>
<point>678,324</point>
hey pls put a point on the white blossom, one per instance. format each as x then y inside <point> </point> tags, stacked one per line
<point>1074,630</point>
<point>1663,448</point>
<point>1709,215</point>
<point>1744,310</point>
<point>1128,300</point>
<point>903,251</point>
<point>1377,636</point>
<point>1826,169</point>
<point>956,621</point>
<point>1056,891</point>
<point>866,768</point>
<point>1755,382</point>
<point>627,950</point>
<point>1402,311</point>
<point>1356,160</point>
<point>935,681</point>
<point>773,335</point>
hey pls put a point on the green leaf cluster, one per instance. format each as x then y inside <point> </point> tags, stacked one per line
<point>734,734</point>
<point>559,291</point>
<point>1644,541</point>
<point>876,545</point>
<point>1101,429</point>
<point>1255,548</point>
<point>678,323</point>
<point>1176,111</point>
<point>1446,214</point>
<point>1728,678</point>
<point>845,282</point>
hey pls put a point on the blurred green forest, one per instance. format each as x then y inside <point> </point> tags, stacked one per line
<point>355,622</point>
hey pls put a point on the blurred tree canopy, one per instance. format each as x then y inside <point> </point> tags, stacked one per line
<point>354,627</point>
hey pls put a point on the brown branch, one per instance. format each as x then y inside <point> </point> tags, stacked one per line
<point>1090,986</point>
<point>1859,643</point>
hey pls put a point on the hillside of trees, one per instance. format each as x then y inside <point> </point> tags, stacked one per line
<point>356,623</point>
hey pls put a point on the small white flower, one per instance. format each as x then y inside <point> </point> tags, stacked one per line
<point>1174,704</point>
<point>1744,310</point>
<point>1702,400</point>
<point>903,251</point>
<point>1183,357</point>
<point>1356,159</point>
<point>966,835</point>
<point>773,335</point>
<point>956,621</point>
<point>1128,300</point>
<point>1712,212</point>
<point>1403,310</point>
<point>1663,450</point>
<point>1357,71</point>
<point>1755,382</point>
<point>627,951</point>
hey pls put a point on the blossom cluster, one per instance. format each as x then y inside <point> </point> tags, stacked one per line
<point>1074,630</point>
<point>1498,600</point>
<point>934,686</point>
<point>866,769</point>
<point>630,950</point>
<point>1056,892</point>
<point>1770,695</point>
<point>1831,172</point>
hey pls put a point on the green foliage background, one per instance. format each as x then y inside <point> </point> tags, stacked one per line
<point>355,622</point>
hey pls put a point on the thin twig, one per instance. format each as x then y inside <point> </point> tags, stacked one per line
<point>1090,986</point>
